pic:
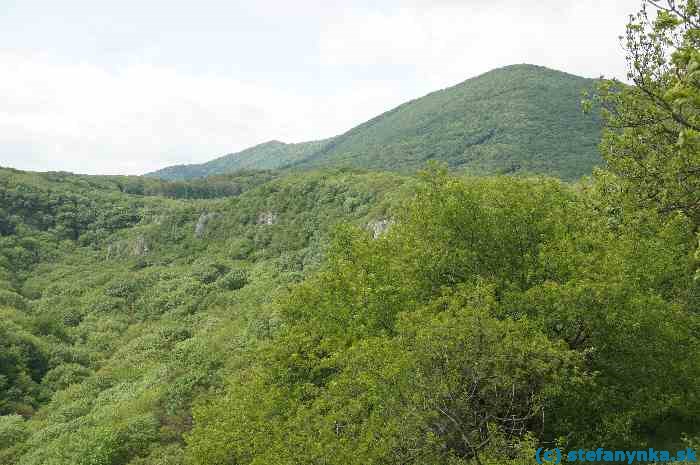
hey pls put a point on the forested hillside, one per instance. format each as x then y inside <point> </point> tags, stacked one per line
<point>120,309</point>
<point>344,316</point>
<point>270,155</point>
<point>518,119</point>
<point>250,329</point>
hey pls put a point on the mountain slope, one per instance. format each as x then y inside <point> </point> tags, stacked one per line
<point>145,322</point>
<point>517,119</point>
<point>268,155</point>
<point>117,302</point>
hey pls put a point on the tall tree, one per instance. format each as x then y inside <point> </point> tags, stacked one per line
<point>652,136</point>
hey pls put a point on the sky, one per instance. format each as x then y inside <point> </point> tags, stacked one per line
<point>131,86</point>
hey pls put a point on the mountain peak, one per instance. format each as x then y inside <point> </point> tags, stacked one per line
<point>521,118</point>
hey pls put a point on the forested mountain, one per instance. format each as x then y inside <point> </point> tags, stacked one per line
<point>517,119</point>
<point>364,316</point>
<point>270,155</point>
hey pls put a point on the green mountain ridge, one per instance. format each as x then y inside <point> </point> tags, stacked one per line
<point>513,120</point>
<point>267,155</point>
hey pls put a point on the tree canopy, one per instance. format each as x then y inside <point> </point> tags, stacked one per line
<point>349,316</point>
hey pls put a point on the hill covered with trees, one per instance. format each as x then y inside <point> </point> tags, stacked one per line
<point>514,120</point>
<point>120,309</point>
<point>341,317</point>
<point>357,316</point>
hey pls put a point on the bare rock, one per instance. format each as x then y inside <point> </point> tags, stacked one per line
<point>201,226</point>
<point>267,218</point>
<point>140,247</point>
<point>380,227</point>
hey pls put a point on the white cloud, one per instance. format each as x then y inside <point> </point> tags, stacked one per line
<point>446,41</point>
<point>83,118</point>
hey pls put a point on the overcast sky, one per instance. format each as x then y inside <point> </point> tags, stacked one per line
<point>129,86</point>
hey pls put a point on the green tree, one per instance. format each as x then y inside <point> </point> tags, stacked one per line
<point>652,135</point>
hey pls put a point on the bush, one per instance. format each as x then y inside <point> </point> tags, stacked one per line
<point>234,280</point>
<point>64,375</point>
<point>209,272</point>
<point>125,288</point>
<point>12,299</point>
<point>13,429</point>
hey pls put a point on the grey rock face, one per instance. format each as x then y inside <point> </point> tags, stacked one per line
<point>380,227</point>
<point>201,226</point>
<point>138,248</point>
<point>267,218</point>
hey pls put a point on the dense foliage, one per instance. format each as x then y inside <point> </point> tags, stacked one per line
<point>492,312</point>
<point>269,155</point>
<point>518,119</point>
<point>110,329</point>
<point>359,317</point>
<point>653,128</point>
<point>492,315</point>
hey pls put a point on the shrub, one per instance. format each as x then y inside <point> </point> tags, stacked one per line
<point>234,280</point>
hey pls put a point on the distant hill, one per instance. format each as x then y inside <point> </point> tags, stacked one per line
<point>517,119</point>
<point>269,155</point>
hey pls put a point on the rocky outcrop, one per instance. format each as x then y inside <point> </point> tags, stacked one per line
<point>267,218</point>
<point>201,226</point>
<point>379,227</point>
<point>138,248</point>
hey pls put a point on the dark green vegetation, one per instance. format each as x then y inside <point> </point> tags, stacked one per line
<point>346,316</point>
<point>652,137</point>
<point>493,314</point>
<point>270,155</point>
<point>119,310</point>
<point>519,119</point>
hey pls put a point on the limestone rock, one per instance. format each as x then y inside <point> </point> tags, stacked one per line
<point>380,227</point>
<point>267,218</point>
<point>138,247</point>
<point>201,226</point>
